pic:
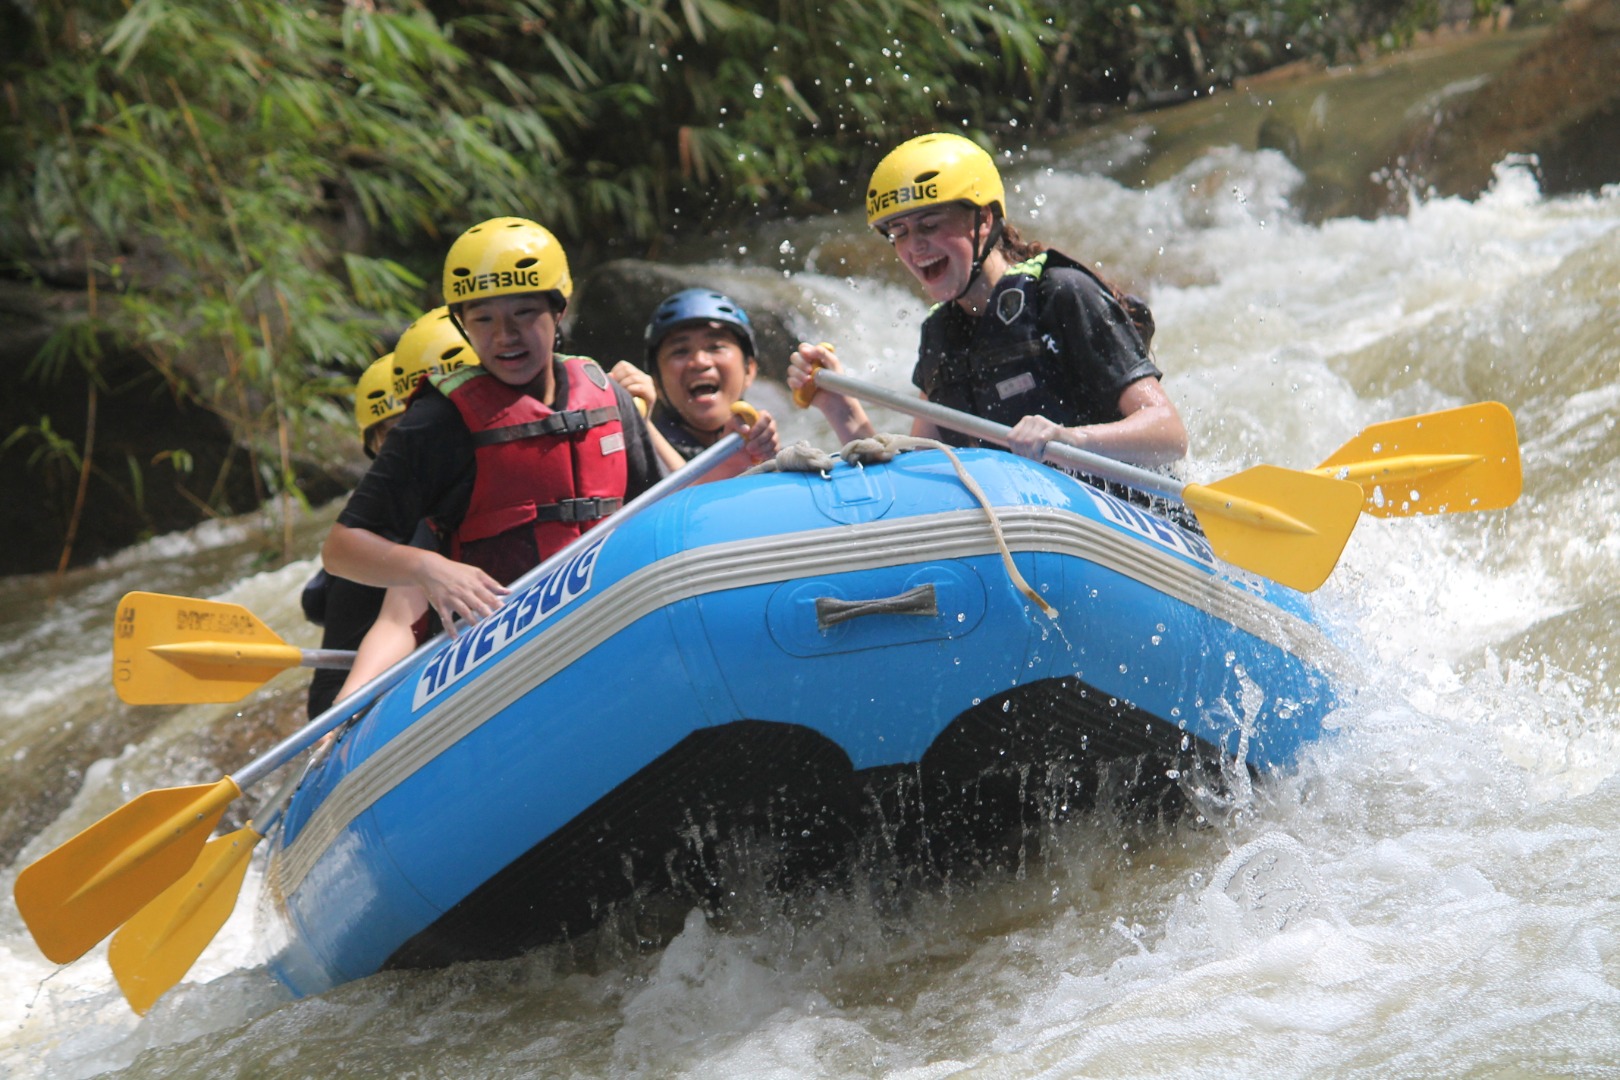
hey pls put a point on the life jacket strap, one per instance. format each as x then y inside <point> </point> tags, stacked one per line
<point>577,511</point>
<point>567,422</point>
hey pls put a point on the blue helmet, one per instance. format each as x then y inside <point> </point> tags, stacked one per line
<point>697,306</point>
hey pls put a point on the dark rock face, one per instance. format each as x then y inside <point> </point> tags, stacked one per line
<point>1560,101</point>
<point>159,464</point>
<point>608,315</point>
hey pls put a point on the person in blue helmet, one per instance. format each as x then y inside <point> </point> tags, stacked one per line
<point>700,363</point>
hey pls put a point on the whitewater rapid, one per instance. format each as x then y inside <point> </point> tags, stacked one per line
<point>1432,891</point>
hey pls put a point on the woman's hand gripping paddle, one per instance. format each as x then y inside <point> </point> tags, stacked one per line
<point>87,887</point>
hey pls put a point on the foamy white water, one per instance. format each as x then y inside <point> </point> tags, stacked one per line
<point>1431,892</point>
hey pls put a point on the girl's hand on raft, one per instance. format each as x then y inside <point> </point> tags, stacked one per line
<point>637,383</point>
<point>458,589</point>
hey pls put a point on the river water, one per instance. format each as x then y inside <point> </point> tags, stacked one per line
<point>1432,891</point>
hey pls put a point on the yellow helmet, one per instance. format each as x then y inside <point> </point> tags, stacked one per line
<point>502,257</point>
<point>432,345</point>
<point>374,400</point>
<point>933,170</point>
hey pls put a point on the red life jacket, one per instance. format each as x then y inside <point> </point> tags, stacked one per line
<point>543,476</point>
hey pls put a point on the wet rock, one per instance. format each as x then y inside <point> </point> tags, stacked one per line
<point>608,315</point>
<point>1560,101</point>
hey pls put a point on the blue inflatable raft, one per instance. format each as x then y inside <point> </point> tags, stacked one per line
<point>781,652</point>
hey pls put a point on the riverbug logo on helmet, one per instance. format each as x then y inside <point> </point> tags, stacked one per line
<point>374,399</point>
<point>432,345</point>
<point>922,190</point>
<point>932,170</point>
<point>506,256</point>
<point>498,281</point>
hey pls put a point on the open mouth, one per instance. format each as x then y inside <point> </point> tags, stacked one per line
<point>703,389</point>
<point>931,270</point>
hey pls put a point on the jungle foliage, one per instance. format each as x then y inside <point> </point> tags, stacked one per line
<point>248,194</point>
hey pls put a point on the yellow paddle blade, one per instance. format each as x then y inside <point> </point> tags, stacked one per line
<point>174,650</point>
<point>83,890</point>
<point>1439,463</point>
<point>1286,525</point>
<point>156,948</point>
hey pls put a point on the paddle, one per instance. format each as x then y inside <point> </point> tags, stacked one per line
<point>1443,462</point>
<point>156,948</point>
<point>177,650</point>
<point>1286,525</point>
<point>81,891</point>
<point>174,650</point>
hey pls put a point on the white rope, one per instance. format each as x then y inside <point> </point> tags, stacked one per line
<point>802,457</point>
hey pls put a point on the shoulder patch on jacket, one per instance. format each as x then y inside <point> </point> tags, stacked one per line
<point>593,371</point>
<point>1010,305</point>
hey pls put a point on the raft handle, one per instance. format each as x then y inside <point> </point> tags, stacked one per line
<point>830,611</point>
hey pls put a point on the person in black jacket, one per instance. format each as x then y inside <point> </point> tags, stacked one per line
<point>346,609</point>
<point>1024,336</point>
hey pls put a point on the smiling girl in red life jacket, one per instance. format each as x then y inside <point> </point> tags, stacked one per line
<point>505,461</point>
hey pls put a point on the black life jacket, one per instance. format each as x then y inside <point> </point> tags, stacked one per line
<point>1013,368</point>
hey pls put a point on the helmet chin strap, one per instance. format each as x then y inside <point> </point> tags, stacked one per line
<point>980,254</point>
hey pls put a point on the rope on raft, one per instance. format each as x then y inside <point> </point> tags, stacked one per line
<point>802,457</point>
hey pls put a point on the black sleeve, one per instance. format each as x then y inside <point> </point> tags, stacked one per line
<point>641,460</point>
<point>424,470</point>
<point>1101,347</point>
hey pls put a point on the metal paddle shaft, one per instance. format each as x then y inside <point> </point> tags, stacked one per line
<point>1286,525</point>
<point>990,431</point>
<point>85,888</point>
<point>226,652</point>
<point>306,736</point>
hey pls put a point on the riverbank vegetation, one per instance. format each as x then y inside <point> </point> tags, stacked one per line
<point>242,199</point>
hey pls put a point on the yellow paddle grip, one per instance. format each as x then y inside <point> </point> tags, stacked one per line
<point>804,395</point>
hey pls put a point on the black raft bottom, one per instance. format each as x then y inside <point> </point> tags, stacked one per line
<point>997,775</point>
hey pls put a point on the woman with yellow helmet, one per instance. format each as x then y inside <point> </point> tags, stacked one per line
<point>1017,334</point>
<point>503,462</point>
